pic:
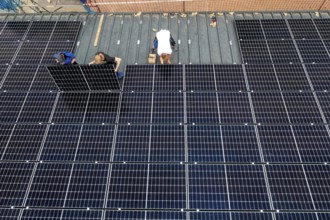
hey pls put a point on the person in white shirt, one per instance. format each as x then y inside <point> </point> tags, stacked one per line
<point>164,49</point>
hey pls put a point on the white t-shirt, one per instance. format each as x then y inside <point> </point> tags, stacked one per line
<point>164,45</point>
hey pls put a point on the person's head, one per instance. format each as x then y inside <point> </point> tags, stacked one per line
<point>60,58</point>
<point>98,59</point>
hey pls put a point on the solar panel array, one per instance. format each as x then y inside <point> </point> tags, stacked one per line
<point>193,142</point>
<point>284,41</point>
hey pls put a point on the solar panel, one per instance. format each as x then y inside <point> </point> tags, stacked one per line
<point>255,52</point>
<point>322,26</point>
<point>168,78</point>
<point>230,78</point>
<point>209,215</point>
<point>14,31</point>
<point>292,77</point>
<point>313,51</point>
<point>296,216</point>
<point>199,77</point>
<point>303,29</point>
<point>11,106</point>
<point>66,31</point>
<point>275,29</point>
<point>168,108</point>
<point>249,30</point>
<point>324,100</point>
<point>139,78</point>
<point>31,52</point>
<point>10,214</point>
<point>319,76</point>
<point>19,77</point>
<point>7,51</point>
<point>43,81</point>
<point>261,77</point>
<point>283,51</point>
<point>40,31</point>
<point>84,77</point>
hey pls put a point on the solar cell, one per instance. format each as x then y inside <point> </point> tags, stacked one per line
<point>255,52</point>
<point>247,187</point>
<point>40,31</point>
<point>240,144</point>
<point>166,187</point>
<point>15,179</point>
<point>49,185</point>
<point>166,215</point>
<point>262,77</point>
<point>131,110</point>
<point>269,108</point>
<point>302,108</point>
<point>303,29</point>
<point>322,26</point>
<point>61,143</point>
<point>204,144</point>
<point>168,78</point>
<point>207,187</point>
<point>313,51</point>
<point>202,108</point>
<point>5,131</point>
<point>278,144</point>
<point>139,78</point>
<point>249,30</point>
<point>3,70</point>
<point>230,78</point>
<point>9,214</point>
<point>275,29</point>
<point>133,215</point>
<point>324,100</point>
<point>296,216</point>
<point>292,77</point>
<point>318,177</point>
<point>95,143</point>
<point>31,52</point>
<point>199,77</point>
<point>81,214</point>
<point>14,31</point>
<point>128,186</point>
<point>167,143</point>
<point>289,187</point>
<point>168,108</point>
<point>66,31</point>
<point>323,216</point>
<point>283,51</point>
<point>87,186</point>
<point>8,51</point>
<point>319,76</point>
<point>313,143</point>
<point>209,215</point>
<point>19,77</point>
<point>234,108</point>
<point>132,143</point>
<point>24,143</point>
<point>54,214</point>
<point>327,45</point>
<point>11,105</point>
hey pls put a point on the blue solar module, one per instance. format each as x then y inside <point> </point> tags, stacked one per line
<point>262,78</point>
<point>37,108</point>
<point>168,78</point>
<point>131,110</point>
<point>247,187</point>
<point>19,77</point>
<point>313,51</point>
<point>128,186</point>
<point>275,29</point>
<point>278,144</point>
<point>319,76</point>
<point>234,108</point>
<point>289,187</point>
<point>303,29</point>
<point>283,51</point>
<point>24,143</point>
<point>132,143</point>
<point>61,143</point>
<point>269,108</point>
<point>167,143</point>
<point>207,187</point>
<point>15,179</point>
<point>249,30</point>
<point>200,77</point>
<point>9,214</point>
<point>313,143</point>
<point>318,177</point>
<point>202,108</point>
<point>14,31</point>
<point>240,144</point>
<point>204,144</point>
<point>230,78</point>
<point>173,196</point>
<point>168,108</point>
<point>139,78</point>
<point>87,186</point>
<point>302,108</point>
<point>49,185</point>
<point>324,100</point>
<point>292,77</point>
<point>95,143</point>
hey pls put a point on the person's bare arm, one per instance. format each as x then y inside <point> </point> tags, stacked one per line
<point>92,62</point>
<point>118,62</point>
<point>73,61</point>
